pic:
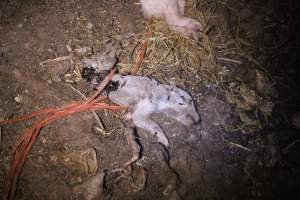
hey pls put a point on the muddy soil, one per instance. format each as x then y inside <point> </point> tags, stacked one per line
<point>207,160</point>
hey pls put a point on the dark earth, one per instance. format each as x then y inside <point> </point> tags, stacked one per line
<point>207,161</point>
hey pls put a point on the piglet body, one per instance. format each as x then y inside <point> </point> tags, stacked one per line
<point>145,96</point>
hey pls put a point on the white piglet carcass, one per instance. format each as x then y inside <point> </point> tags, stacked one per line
<point>173,12</point>
<point>145,96</point>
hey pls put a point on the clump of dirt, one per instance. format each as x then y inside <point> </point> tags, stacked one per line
<point>243,77</point>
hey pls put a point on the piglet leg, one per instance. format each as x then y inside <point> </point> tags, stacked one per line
<point>141,118</point>
<point>187,26</point>
<point>181,4</point>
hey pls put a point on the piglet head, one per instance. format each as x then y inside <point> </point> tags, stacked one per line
<point>180,106</point>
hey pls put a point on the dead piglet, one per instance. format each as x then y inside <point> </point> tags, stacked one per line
<point>145,96</point>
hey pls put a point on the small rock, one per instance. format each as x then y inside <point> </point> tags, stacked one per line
<point>40,159</point>
<point>18,98</point>
<point>89,26</point>
<point>27,45</point>
<point>49,81</point>
<point>19,25</point>
<point>69,48</point>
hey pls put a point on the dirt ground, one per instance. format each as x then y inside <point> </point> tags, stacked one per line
<point>226,156</point>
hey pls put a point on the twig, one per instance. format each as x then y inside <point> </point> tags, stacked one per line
<point>54,60</point>
<point>240,146</point>
<point>230,60</point>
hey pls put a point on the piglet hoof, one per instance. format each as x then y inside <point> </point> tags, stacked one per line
<point>194,30</point>
<point>191,28</point>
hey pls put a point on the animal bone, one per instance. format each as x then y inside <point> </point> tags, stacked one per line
<point>145,96</point>
<point>173,12</point>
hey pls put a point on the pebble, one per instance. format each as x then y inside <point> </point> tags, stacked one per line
<point>19,25</point>
<point>89,26</point>
<point>49,81</point>
<point>18,98</point>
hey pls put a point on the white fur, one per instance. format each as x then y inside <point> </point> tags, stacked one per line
<point>145,96</point>
<point>173,12</point>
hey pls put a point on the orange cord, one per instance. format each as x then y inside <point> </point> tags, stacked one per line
<point>136,67</point>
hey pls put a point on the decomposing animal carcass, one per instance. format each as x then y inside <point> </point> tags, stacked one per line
<point>173,12</point>
<point>98,65</point>
<point>145,96</point>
